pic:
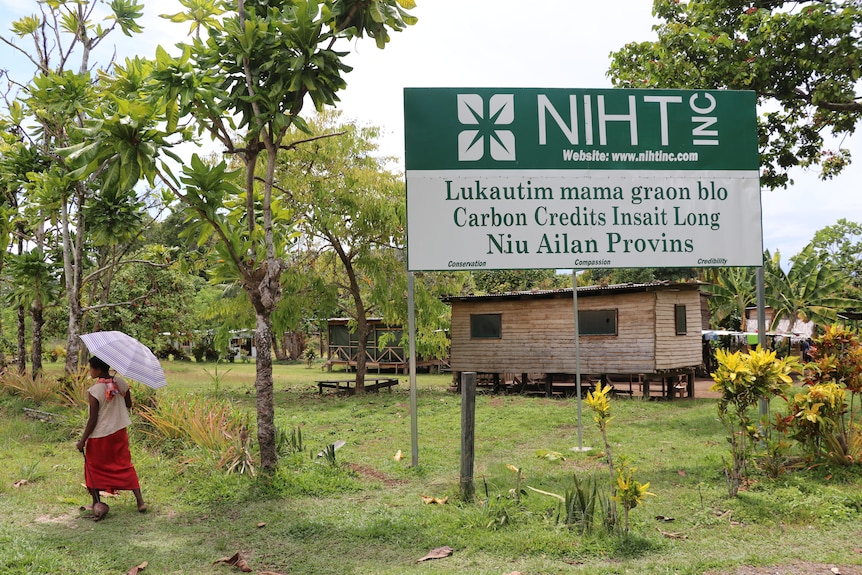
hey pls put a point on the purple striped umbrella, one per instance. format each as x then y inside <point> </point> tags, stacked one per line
<point>129,357</point>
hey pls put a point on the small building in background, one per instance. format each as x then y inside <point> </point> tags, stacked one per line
<point>383,350</point>
<point>630,334</point>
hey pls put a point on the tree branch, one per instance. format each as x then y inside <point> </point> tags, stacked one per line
<point>95,273</point>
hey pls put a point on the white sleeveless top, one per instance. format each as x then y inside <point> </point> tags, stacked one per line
<point>113,415</point>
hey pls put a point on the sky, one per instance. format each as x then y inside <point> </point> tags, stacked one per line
<point>513,44</point>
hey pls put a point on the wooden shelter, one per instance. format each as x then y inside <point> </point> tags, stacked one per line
<point>343,346</point>
<point>630,334</point>
<point>383,350</point>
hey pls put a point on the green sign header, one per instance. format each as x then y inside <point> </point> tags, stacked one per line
<point>594,129</point>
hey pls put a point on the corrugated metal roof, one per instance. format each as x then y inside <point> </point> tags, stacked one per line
<point>583,291</point>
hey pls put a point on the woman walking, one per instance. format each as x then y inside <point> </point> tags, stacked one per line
<point>105,441</point>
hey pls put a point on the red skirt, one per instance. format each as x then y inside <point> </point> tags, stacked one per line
<point>108,463</point>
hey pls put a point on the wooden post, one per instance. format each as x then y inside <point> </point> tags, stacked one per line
<point>468,433</point>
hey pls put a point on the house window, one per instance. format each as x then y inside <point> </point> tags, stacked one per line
<point>679,319</point>
<point>486,325</point>
<point>597,322</point>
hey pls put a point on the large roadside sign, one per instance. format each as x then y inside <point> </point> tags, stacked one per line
<point>526,178</point>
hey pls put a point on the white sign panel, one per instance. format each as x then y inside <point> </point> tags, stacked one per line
<point>525,179</point>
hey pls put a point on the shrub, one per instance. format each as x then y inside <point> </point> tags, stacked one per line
<point>822,419</point>
<point>743,379</point>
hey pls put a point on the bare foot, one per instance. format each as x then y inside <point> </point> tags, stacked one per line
<point>99,511</point>
<point>142,508</point>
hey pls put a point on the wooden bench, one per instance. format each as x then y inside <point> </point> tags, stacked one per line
<point>348,386</point>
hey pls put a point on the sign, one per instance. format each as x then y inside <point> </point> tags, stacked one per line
<point>527,178</point>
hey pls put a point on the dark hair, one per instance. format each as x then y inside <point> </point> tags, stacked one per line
<point>97,363</point>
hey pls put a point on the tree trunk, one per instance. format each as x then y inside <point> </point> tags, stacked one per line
<point>294,344</point>
<point>72,269</point>
<point>263,386</point>
<point>36,352</point>
<point>280,350</point>
<point>263,287</point>
<point>21,359</point>
<point>361,347</point>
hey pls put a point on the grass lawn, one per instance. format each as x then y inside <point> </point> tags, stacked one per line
<point>365,513</point>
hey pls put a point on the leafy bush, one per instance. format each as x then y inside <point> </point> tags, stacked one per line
<point>822,419</point>
<point>743,379</point>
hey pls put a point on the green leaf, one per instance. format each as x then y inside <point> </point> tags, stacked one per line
<point>25,26</point>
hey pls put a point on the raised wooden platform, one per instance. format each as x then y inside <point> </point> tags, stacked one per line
<point>348,386</point>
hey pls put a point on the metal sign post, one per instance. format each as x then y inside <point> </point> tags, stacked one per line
<point>411,326</point>
<point>580,446</point>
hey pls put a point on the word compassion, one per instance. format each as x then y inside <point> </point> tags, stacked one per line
<point>598,206</point>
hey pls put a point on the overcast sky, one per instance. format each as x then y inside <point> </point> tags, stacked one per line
<point>509,43</point>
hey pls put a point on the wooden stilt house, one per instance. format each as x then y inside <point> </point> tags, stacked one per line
<point>630,334</point>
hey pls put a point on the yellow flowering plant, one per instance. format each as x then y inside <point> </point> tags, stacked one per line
<point>743,379</point>
<point>599,402</point>
<point>825,418</point>
<point>629,492</point>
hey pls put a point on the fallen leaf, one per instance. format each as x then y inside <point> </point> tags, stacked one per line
<point>137,569</point>
<point>664,518</point>
<point>672,535</point>
<point>513,573</point>
<point>269,573</point>
<point>682,472</point>
<point>437,500</point>
<point>20,483</point>
<point>237,561</point>
<point>438,553</point>
<point>261,524</point>
<point>398,456</point>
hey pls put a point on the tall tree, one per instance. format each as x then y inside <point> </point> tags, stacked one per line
<point>812,290</point>
<point>62,99</point>
<point>35,285</point>
<point>841,245</point>
<point>804,60</point>
<point>501,281</point>
<point>733,289</point>
<point>352,206</point>
<point>258,63</point>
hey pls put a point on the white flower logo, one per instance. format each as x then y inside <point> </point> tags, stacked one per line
<point>501,112</point>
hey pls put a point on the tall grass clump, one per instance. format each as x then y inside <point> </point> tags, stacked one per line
<point>74,388</point>
<point>39,389</point>
<point>213,425</point>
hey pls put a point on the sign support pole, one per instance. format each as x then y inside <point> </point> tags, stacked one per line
<point>411,326</point>
<point>580,446</point>
<point>468,434</point>
<point>761,326</point>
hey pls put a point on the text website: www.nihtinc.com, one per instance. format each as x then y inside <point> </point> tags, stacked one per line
<point>570,155</point>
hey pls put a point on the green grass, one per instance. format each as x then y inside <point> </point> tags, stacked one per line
<point>365,514</point>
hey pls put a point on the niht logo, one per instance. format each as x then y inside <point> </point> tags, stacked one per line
<point>500,112</point>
